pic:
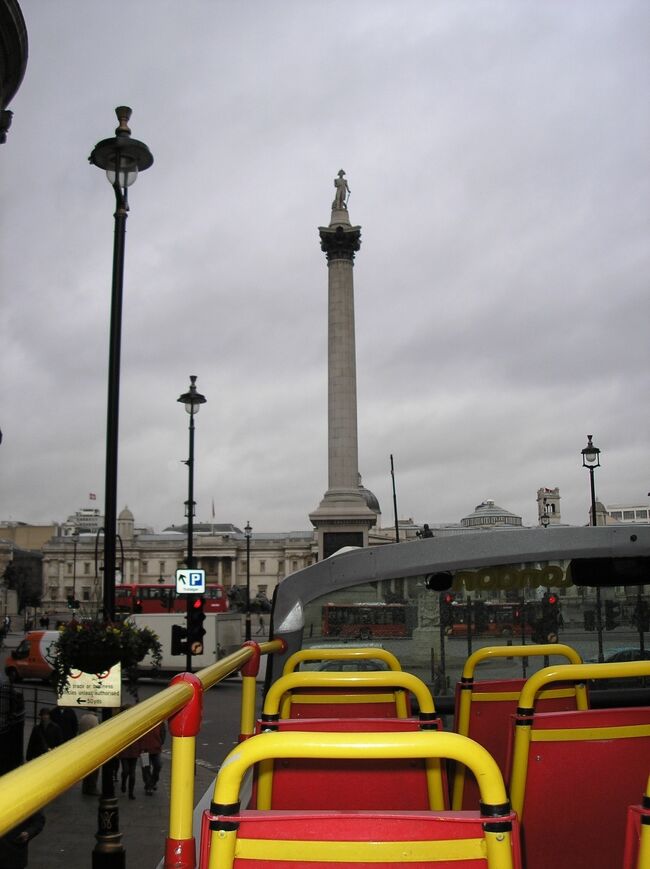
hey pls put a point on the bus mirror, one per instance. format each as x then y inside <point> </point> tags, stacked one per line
<point>609,572</point>
<point>439,581</point>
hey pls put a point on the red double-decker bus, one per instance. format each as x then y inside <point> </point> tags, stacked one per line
<point>364,621</point>
<point>160,598</point>
<point>489,618</point>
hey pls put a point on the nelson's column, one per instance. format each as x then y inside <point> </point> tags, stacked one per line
<point>343,517</point>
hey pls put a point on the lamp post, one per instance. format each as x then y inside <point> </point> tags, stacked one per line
<point>247,531</point>
<point>122,158</point>
<point>591,461</point>
<point>192,401</point>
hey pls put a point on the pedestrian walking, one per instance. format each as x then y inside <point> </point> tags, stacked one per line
<point>89,785</point>
<point>45,736</point>
<point>260,625</point>
<point>151,746</point>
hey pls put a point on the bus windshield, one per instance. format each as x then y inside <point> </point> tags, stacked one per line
<point>434,602</point>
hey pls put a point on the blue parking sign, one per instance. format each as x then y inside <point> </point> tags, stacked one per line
<point>190,581</point>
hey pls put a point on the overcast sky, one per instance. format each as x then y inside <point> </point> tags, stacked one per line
<point>498,157</point>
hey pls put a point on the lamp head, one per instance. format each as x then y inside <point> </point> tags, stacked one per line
<point>121,157</point>
<point>590,455</point>
<point>192,399</point>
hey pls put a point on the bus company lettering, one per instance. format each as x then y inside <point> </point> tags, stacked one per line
<point>510,577</point>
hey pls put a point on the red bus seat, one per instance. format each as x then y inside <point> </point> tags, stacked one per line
<point>484,709</point>
<point>261,839</point>
<point>637,834</point>
<point>370,694</point>
<point>574,774</point>
<point>318,784</point>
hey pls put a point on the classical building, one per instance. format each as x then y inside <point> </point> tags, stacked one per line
<point>638,514</point>
<point>548,507</point>
<point>72,563</point>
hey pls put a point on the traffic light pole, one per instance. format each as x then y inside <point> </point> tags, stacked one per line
<point>599,610</point>
<point>189,599</point>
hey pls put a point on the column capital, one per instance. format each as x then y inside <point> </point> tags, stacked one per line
<point>339,242</point>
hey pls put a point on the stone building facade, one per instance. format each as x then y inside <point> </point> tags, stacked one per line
<point>72,565</point>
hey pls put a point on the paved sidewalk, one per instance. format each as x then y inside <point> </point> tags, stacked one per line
<point>68,838</point>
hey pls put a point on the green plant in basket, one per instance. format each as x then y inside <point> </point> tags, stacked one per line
<point>95,646</point>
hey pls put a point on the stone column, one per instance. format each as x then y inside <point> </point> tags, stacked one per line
<point>343,517</point>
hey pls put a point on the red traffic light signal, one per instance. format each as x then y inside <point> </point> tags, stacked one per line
<point>552,599</point>
<point>195,629</point>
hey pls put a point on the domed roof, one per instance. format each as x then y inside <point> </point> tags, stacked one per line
<point>369,497</point>
<point>488,513</point>
<point>126,514</point>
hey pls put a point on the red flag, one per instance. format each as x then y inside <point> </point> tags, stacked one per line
<point>92,496</point>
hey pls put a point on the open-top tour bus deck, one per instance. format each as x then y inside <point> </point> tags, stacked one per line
<point>351,764</point>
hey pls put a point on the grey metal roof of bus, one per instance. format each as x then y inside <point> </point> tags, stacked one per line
<point>469,551</point>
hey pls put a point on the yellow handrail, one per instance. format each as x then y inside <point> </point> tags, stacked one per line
<point>578,673</point>
<point>31,786</point>
<point>538,681</point>
<point>328,680</point>
<point>520,651</point>
<point>344,654</point>
<point>352,746</point>
<point>26,789</point>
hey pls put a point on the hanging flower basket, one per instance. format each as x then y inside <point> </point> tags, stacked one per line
<point>96,646</point>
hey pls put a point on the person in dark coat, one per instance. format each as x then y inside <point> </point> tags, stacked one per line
<point>66,719</point>
<point>45,736</point>
<point>14,844</point>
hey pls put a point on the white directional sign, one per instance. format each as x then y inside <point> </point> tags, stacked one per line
<point>190,581</point>
<point>93,689</point>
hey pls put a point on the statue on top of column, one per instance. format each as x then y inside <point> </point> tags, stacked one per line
<point>342,191</point>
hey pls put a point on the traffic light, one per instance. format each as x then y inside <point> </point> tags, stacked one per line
<point>73,604</point>
<point>179,641</point>
<point>641,615</point>
<point>446,615</point>
<point>612,611</point>
<point>195,629</point>
<point>550,617</point>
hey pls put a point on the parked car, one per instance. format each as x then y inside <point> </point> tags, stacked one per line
<point>618,656</point>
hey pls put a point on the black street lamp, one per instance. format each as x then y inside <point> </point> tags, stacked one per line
<point>192,401</point>
<point>122,158</point>
<point>247,531</point>
<point>591,460</point>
